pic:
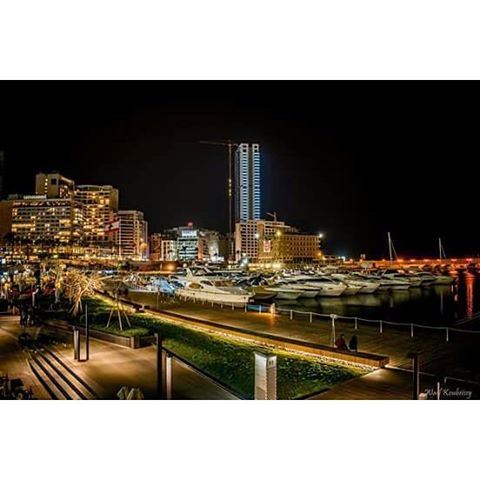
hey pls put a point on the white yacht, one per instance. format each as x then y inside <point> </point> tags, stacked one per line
<point>385,283</point>
<point>430,278</point>
<point>306,291</point>
<point>443,280</point>
<point>213,289</point>
<point>364,285</point>
<point>413,280</point>
<point>283,292</point>
<point>327,286</point>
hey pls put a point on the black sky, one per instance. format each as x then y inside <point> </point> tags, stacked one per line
<point>350,159</point>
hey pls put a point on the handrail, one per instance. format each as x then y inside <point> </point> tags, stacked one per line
<point>201,372</point>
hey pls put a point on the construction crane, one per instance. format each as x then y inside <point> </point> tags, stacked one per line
<point>273,215</point>
<point>229,144</point>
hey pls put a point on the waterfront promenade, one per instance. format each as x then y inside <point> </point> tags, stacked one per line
<point>110,367</point>
<point>13,360</point>
<point>458,358</point>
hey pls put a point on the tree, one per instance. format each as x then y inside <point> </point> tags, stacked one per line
<point>77,284</point>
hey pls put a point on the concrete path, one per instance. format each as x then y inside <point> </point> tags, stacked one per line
<point>459,357</point>
<point>12,358</point>
<point>111,366</point>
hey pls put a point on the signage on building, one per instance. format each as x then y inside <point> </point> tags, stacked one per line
<point>267,246</point>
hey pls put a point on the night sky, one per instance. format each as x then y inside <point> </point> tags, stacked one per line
<point>350,159</point>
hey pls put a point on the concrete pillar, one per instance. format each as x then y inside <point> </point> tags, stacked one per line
<point>265,377</point>
<point>76,344</point>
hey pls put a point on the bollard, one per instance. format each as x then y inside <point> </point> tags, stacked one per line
<point>356,323</point>
<point>411,330</point>
<point>438,391</point>
<point>259,309</point>
<point>158,340</point>
<point>446,331</point>
<point>87,335</point>
<point>332,316</point>
<point>76,344</point>
<point>265,377</point>
<point>310,317</point>
<point>168,376</point>
<point>416,374</point>
<point>381,326</point>
<point>245,308</point>
<point>291,314</point>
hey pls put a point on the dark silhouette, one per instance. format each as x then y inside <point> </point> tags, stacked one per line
<point>340,342</point>
<point>353,344</point>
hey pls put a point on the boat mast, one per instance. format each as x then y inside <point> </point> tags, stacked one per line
<point>441,250</point>
<point>390,249</point>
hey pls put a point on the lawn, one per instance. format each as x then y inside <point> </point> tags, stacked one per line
<point>230,360</point>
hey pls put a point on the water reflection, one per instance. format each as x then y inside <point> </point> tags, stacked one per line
<point>469,289</point>
<point>434,305</point>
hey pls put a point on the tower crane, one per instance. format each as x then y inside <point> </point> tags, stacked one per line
<point>229,144</point>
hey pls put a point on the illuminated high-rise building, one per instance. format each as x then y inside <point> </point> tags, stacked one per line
<point>247,182</point>
<point>54,185</point>
<point>100,205</point>
<point>132,235</point>
<point>36,219</point>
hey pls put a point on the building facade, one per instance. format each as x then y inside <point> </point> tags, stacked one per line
<point>249,235</point>
<point>132,236</point>
<point>163,247</point>
<point>290,246</point>
<point>247,182</point>
<point>37,219</point>
<point>54,185</point>
<point>267,241</point>
<point>100,206</point>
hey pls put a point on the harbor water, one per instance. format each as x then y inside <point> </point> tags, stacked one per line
<point>437,305</point>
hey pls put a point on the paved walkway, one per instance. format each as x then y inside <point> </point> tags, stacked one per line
<point>12,358</point>
<point>112,366</point>
<point>459,357</point>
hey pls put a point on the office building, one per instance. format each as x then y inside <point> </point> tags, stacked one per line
<point>100,205</point>
<point>267,241</point>
<point>247,182</point>
<point>163,247</point>
<point>251,233</point>
<point>290,246</point>
<point>198,244</point>
<point>36,219</point>
<point>54,185</point>
<point>132,235</point>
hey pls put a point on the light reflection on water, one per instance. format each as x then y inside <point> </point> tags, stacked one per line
<point>435,305</point>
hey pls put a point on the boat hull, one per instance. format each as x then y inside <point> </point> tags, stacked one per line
<point>286,295</point>
<point>205,296</point>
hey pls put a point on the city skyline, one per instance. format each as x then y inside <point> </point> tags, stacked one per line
<point>330,162</point>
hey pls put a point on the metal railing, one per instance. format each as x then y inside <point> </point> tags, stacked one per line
<point>312,316</point>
